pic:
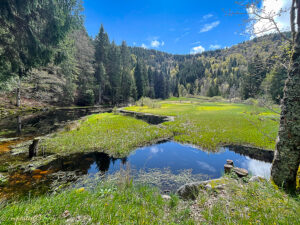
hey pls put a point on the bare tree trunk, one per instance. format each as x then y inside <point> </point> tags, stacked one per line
<point>33,148</point>
<point>287,155</point>
<point>19,125</point>
<point>100,91</point>
<point>18,93</point>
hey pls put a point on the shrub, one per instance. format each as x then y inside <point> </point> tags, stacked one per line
<point>250,101</point>
<point>87,98</point>
<point>145,101</point>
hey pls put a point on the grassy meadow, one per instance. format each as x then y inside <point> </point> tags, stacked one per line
<point>107,204</point>
<point>123,202</point>
<point>120,201</point>
<point>212,124</point>
<point>114,134</point>
<point>202,123</point>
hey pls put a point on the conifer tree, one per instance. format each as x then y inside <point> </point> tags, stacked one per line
<point>30,33</point>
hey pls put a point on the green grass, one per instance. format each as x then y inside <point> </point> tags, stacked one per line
<point>212,124</point>
<point>107,204</point>
<point>114,134</point>
<point>206,124</point>
<point>252,203</point>
<point>125,203</point>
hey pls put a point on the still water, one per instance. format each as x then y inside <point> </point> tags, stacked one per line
<point>170,155</point>
<point>43,122</point>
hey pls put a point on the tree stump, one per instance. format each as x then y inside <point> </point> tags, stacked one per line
<point>229,162</point>
<point>241,172</point>
<point>33,148</point>
<point>228,168</point>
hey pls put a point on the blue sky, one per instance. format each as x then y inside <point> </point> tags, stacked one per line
<point>174,26</point>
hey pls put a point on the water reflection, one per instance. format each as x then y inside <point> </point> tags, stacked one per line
<point>90,163</point>
<point>149,118</point>
<point>257,168</point>
<point>174,156</point>
<point>42,123</point>
<point>170,155</point>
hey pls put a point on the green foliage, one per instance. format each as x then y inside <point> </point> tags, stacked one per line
<point>145,101</point>
<point>279,76</point>
<point>120,74</point>
<point>30,32</point>
<point>253,79</point>
<point>88,98</point>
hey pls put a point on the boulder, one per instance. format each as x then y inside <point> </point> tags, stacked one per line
<point>240,172</point>
<point>166,197</point>
<point>190,191</point>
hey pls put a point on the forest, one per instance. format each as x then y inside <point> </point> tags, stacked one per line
<point>85,71</point>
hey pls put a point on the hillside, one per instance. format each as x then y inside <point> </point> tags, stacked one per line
<point>248,69</point>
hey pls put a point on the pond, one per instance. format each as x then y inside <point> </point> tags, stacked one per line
<point>43,122</point>
<point>172,155</point>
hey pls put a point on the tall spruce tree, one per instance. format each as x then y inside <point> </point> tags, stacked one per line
<point>102,46</point>
<point>254,77</point>
<point>125,74</point>
<point>114,73</point>
<point>139,79</point>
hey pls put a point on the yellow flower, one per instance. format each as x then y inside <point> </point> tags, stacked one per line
<point>80,190</point>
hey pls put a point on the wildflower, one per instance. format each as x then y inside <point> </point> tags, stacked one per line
<point>80,190</point>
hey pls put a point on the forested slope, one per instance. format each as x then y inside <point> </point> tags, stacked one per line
<point>100,72</point>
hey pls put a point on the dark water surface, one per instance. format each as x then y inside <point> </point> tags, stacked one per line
<point>148,118</point>
<point>42,123</point>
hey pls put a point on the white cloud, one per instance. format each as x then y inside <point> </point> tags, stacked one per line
<point>144,46</point>
<point>279,9</point>
<point>257,168</point>
<point>209,26</point>
<point>206,166</point>
<point>213,47</point>
<point>155,150</point>
<point>156,44</point>
<point>207,16</point>
<point>197,49</point>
